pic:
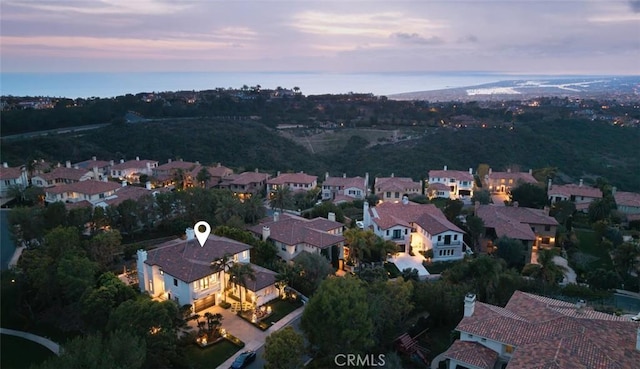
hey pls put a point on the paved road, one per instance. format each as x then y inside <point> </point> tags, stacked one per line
<point>54,347</point>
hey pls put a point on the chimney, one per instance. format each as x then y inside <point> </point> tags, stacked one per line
<point>366,180</point>
<point>546,210</point>
<point>580,304</point>
<point>469,304</point>
<point>515,204</point>
<point>581,182</point>
<point>278,174</point>
<point>147,185</point>
<point>405,200</point>
<point>549,184</point>
<point>392,175</point>
<point>5,165</point>
<point>137,158</point>
<point>508,170</point>
<point>191,234</point>
<point>344,175</point>
<point>197,162</point>
<point>490,170</point>
<point>256,170</point>
<point>331,216</point>
<point>93,158</point>
<point>95,173</point>
<point>148,167</point>
<point>111,163</point>
<point>613,190</point>
<point>326,175</point>
<point>121,161</point>
<point>68,164</point>
<point>124,183</point>
<point>218,165</point>
<point>59,165</point>
<point>276,216</point>
<point>531,171</point>
<point>169,161</point>
<point>471,171</point>
<point>266,233</point>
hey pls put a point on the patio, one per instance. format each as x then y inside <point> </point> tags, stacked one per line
<point>403,260</point>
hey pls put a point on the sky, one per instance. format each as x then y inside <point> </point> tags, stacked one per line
<point>347,36</point>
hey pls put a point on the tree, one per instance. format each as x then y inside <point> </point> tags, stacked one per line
<point>55,215</point>
<point>547,271</point>
<point>475,225</point>
<point>119,350</point>
<point>228,208</point>
<point>75,274</point>
<point>391,300</point>
<point>239,273</point>
<point>529,195</point>
<point>283,349</point>
<point>481,196</point>
<point>98,302</point>
<point>103,247</point>
<point>180,179</point>
<point>337,318</point>
<point>512,251</point>
<point>562,211</point>
<point>253,209</point>
<point>324,209</point>
<point>128,216</point>
<point>314,269</point>
<point>625,257</point>
<point>281,198</point>
<point>452,209</point>
<point>222,265</point>
<point>410,274</point>
<point>599,210</point>
<point>203,177</point>
<point>372,275</point>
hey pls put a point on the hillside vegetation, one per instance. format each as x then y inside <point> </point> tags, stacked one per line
<point>578,148</point>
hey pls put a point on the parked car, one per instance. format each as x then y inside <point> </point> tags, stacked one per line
<point>360,224</point>
<point>636,318</point>
<point>243,360</point>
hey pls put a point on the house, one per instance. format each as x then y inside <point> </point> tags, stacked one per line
<point>88,192</point>
<point>216,174</point>
<point>126,192</point>
<point>460,183</point>
<point>580,195</point>
<point>344,189</point>
<point>628,203</point>
<point>293,234</point>
<point>504,182</point>
<point>183,271</point>
<point>166,174</point>
<point>11,177</point>
<point>394,188</point>
<point>416,227</point>
<point>101,167</point>
<point>534,227</point>
<point>295,181</point>
<point>539,332</point>
<point>62,175</point>
<point>132,170</point>
<point>246,184</point>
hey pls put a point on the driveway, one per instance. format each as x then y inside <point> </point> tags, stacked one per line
<point>403,260</point>
<point>569,274</point>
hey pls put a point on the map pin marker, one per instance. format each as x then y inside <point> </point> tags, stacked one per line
<point>202,236</point>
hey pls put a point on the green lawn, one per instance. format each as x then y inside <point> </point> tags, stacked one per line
<point>209,357</point>
<point>18,353</point>
<point>588,244</point>
<point>281,308</point>
<point>392,269</point>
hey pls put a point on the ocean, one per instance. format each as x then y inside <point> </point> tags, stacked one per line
<point>104,85</point>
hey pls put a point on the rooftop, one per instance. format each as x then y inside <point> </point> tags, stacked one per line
<point>134,164</point>
<point>524,177</point>
<point>345,182</point>
<point>10,172</point>
<point>575,190</point>
<point>246,178</point>
<point>459,175</point>
<point>292,178</point>
<point>294,230</point>
<point>64,173</point>
<point>84,187</point>
<point>427,216</point>
<point>627,198</point>
<point>395,184</point>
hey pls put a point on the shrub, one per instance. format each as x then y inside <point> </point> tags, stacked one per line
<point>235,340</point>
<point>225,304</point>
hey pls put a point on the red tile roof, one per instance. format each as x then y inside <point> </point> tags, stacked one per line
<point>494,217</point>
<point>549,333</point>
<point>427,216</point>
<point>127,193</point>
<point>10,172</point>
<point>492,214</point>
<point>188,261</point>
<point>472,353</point>
<point>438,186</point>
<point>84,187</point>
<point>294,230</point>
<point>459,175</point>
<point>575,190</point>
<point>219,171</point>
<point>134,164</point>
<point>396,184</point>
<point>176,164</point>
<point>345,182</point>
<point>245,178</point>
<point>264,278</point>
<point>64,173</point>
<point>627,198</point>
<point>293,178</point>
<point>90,164</point>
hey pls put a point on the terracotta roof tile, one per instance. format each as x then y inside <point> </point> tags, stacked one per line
<point>264,278</point>
<point>127,193</point>
<point>65,173</point>
<point>575,190</point>
<point>345,182</point>
<point>188,261</point>
<point>459,175</point>
<point>90,164</point>
<point>245,178</point>
<point>293,178</point>
<point>513,222</point>
<point>393,184</point>
<point>292,230</point>
<point>10,172</point>
<point>523,177</point>
<point>427,216</point>
<point>472,353</point>
<point>627,198</point>
<point>84,187</point>
<point>176,164</point>
<point>134,164</point>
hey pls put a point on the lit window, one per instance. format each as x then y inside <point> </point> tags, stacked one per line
<point>508,349</point>
<point>161,272</point>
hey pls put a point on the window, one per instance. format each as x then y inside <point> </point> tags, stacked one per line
<point>397,195</point>
<point>388,194</point>
<point>283,247</point>
<point>245,254</point>
<point>175,282</point>
<point>151,286</point>
<point>533,229</point>
<point>455,237</point>
<point>508,349</point>
<point>511,181</point>
<point>235,258</point>
<point>439,238</point>
<point>547,228</point>
<point>387,232</point>
<point>397,233</point>
<point>546,240</point>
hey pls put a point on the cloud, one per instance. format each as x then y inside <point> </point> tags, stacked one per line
<point>634,5</point>
<point>469,38</point>
<point>104,7</point>
<point>415,38</point>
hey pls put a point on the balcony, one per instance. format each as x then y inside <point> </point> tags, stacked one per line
<point>213,288</point>
<point>452,243</point>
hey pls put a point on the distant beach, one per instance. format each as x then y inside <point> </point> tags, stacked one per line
<point>74,85</point>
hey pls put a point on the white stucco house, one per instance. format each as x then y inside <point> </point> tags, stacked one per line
<point>417,227</point>
<point>10,177</point>
<point>187,273</point>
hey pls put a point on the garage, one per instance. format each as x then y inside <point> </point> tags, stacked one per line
<point>203,303</point>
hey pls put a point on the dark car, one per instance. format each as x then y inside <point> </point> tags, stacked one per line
<point>243,360</point>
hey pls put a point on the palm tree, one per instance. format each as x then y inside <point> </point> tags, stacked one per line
<point>30,167</point>
<point>228,207</point>
<point>549,271</point>
<point>203,177</point>
<point>360,243</point>
<point>180,179</point>
<point>222,265</point>
<point>239,273</point>
<point>281,198</point>
<point>253,209</point>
